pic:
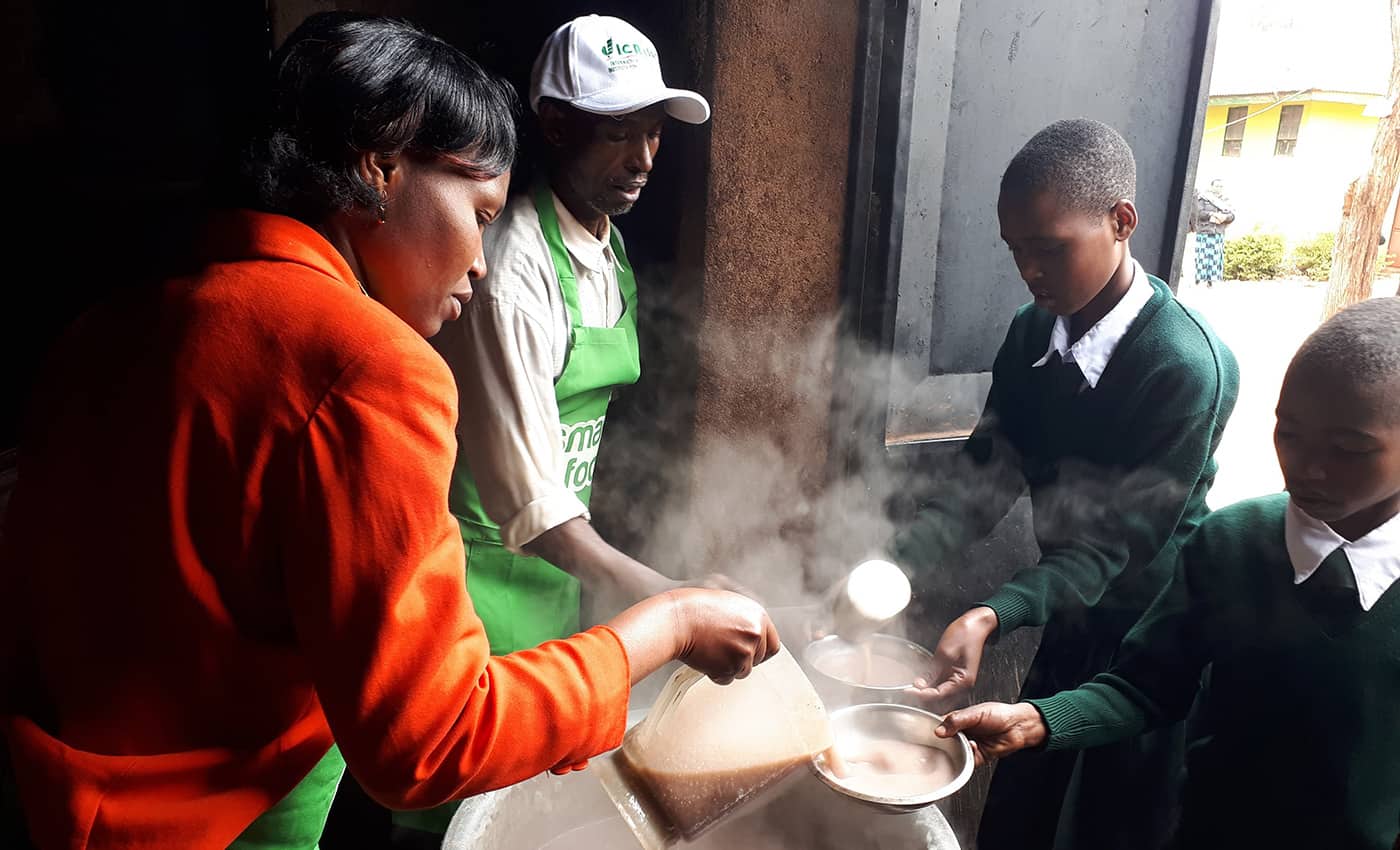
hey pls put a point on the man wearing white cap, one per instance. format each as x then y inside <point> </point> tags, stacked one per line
<point>550,333</point>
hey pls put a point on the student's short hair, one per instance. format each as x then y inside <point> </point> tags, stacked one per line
<point>345,84</point>
<point>1361,342</point>
<point>1086,164</point>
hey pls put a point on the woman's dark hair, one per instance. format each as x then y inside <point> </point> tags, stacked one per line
<point>345,84</point>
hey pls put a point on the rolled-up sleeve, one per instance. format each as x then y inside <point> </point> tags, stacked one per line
<point>502,355</point>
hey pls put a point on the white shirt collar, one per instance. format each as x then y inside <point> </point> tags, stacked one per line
<point>1092,350</point>
<point>1374,559</point>
<point>591,252</point>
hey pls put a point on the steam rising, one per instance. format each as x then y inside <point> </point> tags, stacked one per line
<point>750,501</point>
<point>756,497</point>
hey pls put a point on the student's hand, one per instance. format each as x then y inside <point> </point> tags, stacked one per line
<point>958,656</point>
<point>725,634</point>
<point>996,729</point>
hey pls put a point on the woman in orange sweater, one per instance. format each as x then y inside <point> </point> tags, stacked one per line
<point>230,550</point>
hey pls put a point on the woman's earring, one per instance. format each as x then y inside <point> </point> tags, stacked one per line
<point>383,209</point>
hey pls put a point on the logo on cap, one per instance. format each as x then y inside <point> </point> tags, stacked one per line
<point>626,54</point>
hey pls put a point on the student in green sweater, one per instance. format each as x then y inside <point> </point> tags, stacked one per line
<point>1108,399</point>
<point>1289,604</point>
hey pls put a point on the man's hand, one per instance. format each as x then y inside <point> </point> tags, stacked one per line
<point>996,729</point>
<point>575,547</point>
<point>618,579</point>
<point>958,656</point>
<point>720,581</point>
<point>640,582</point>
<point>644,582</point>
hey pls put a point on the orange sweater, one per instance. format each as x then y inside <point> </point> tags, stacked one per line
<point>230,546</point>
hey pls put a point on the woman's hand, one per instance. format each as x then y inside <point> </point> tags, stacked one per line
<point>958,655</point>
<point>727,633</point>
<point>996,729</point>
<point>719,633</point>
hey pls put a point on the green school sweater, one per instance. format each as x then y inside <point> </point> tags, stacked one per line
<point>1296,740</point>
<point>1116,473</point>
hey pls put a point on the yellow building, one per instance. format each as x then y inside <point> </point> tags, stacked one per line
<point>1286,162</point>
<point>1296,92</point>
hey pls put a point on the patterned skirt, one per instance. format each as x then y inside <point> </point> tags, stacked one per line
<point>1210,257</point>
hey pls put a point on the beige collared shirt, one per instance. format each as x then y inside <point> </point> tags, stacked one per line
<point>506,352</point>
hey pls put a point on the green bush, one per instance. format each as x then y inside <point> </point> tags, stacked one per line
<point>1313,259</point>
<point>1258,256</point>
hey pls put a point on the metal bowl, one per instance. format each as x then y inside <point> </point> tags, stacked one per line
<point>825,660</point>
<point>900,723</point>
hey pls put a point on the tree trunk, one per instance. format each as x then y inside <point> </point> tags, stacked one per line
<point>1363,211</point>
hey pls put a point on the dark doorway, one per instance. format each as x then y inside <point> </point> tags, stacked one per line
<point>116,112</point>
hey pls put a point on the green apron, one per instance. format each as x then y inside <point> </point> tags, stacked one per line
<point>522,600</point>
<point>298,819</point>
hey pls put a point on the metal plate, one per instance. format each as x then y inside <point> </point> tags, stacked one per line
<point>823,655</point>
<point>900,723</point>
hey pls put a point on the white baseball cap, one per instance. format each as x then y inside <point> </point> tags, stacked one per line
<point>605,66</point>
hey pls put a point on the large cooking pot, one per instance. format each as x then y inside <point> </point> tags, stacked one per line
<point>573,812</point>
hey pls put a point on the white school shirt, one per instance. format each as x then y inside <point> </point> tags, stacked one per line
<point>1374,559</point>
<point>1091,352</point>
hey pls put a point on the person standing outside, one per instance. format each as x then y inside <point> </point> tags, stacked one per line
<point>552,333</point>
<point>1212,216</point>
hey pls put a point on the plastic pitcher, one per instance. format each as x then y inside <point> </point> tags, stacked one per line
<point>706,750</point>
